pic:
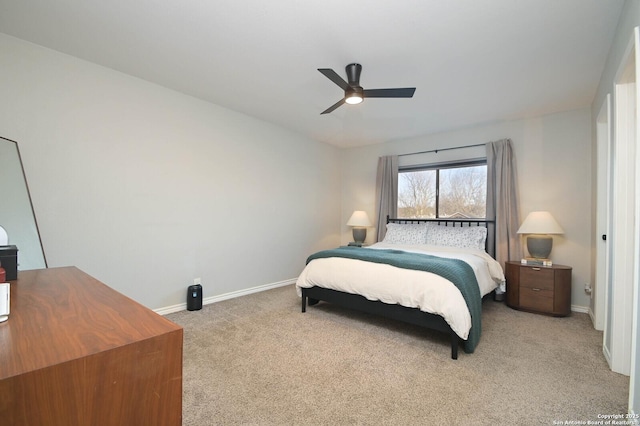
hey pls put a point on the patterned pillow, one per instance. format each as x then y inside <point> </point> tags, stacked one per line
<point>462,237</point>
<point>406,233</point>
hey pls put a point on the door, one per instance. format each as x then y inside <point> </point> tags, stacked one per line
<point>624,220</point>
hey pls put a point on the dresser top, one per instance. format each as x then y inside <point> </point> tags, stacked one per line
<point>61,314</point>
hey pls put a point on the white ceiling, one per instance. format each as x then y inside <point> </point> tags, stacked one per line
<point>472,61</point>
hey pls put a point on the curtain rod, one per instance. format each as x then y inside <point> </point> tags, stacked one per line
<point>442,149</point>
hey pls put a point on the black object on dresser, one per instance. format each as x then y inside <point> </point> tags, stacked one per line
<point>9,261</point>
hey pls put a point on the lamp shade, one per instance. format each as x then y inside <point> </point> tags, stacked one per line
<point>359,218</point>
<point>540,223</point>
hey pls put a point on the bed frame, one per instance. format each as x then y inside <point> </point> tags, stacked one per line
<point>414,316</point>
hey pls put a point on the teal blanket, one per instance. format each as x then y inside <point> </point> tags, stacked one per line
<point>454,270</point>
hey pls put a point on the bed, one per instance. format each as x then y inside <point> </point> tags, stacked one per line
<point>432,273</point>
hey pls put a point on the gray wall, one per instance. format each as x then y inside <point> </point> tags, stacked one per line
<point>146,189</point>
<point>553,155</point>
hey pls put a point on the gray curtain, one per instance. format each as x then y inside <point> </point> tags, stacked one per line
<point>386,192</point>
<point>503,204</point>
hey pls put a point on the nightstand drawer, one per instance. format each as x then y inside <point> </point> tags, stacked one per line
<point>540,278</point>
<point>536,299</point>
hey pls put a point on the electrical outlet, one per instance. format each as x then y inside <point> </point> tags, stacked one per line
<point>587,288</point>
<point>197,281</point>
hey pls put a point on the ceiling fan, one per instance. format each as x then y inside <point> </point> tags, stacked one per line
<point>354,93</point>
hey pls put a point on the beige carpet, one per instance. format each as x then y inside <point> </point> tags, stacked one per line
<point>257,360</point>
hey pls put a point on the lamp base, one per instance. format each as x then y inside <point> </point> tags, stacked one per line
<point>359,235</point>
<point>539,246</point>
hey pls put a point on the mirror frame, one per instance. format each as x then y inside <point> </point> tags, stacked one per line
<point>33,213</point>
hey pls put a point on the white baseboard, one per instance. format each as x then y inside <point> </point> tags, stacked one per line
<point>592,315</point>
<point>607,354</point>
<point>213,299</point>
<point>581,309</point>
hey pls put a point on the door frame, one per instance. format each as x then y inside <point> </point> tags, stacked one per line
<point>603,213</point>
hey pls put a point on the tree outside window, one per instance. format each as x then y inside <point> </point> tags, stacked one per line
<point>456,191</point>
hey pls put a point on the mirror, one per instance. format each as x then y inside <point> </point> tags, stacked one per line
<point>16,211</point>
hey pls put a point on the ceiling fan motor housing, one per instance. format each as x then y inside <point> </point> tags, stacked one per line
<point>354,89</point>
<point>353,75</point>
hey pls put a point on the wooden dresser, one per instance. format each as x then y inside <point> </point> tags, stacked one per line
<point>76,352</point>
<point>540,289</point>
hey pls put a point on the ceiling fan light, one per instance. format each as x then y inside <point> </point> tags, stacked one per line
<point>353,98</point>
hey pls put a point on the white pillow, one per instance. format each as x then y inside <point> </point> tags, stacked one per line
<point>458,236</point>
<point>406,233</point>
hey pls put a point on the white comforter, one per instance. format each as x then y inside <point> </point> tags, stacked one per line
<point>415,289</point>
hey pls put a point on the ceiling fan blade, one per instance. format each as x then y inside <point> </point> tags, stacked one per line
<point>406,92</point>
<point>333,76</point>
<point>332,107</point>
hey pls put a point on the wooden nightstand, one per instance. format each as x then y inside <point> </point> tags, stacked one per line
<point>545,290</point>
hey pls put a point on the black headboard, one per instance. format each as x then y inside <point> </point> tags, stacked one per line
<point>490,245</point>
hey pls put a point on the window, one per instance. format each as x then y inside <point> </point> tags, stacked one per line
<point>449,191</point>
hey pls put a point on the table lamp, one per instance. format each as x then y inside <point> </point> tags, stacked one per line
<point>359,221</point>
<point>539,226</point>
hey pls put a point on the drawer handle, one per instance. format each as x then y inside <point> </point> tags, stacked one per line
<point>535,289</point>
<point>536,269</point>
